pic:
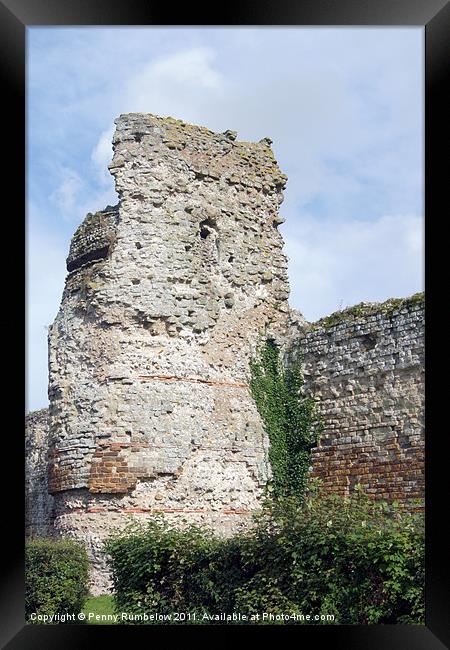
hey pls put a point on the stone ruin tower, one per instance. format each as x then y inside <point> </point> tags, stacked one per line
<point>166,297</point>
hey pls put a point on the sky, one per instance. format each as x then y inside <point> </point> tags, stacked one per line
<point>343,106</point>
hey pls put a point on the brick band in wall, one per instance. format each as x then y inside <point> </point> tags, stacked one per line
<point>223,511</point>
<point>194,380</point>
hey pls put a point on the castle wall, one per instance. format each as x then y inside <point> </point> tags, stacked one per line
<point>365,368</point>
<point>166,297</point>
<point>38,502</point>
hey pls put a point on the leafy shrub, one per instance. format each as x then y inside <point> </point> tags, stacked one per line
<point>158,568</point>
<point>56,577</point>
<point>361,561</point>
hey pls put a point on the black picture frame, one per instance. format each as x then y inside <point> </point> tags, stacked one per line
<point>15,17</point>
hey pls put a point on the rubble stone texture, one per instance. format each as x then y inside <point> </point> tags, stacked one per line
<point>167,296</point>
<point>365,367</point>
<point>38,501</point>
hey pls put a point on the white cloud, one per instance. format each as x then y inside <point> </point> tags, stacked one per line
<point>74,198</point>
<point>101,156</point>
<point>65,196</point>
<point>45,275</point>
<point>335,264</point>
<point>175,84</point>
<point>342,106</point>
<point>191,66</point>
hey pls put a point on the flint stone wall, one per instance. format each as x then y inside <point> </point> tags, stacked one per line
<point>167,295</point>
<point>166,298</point>
<point>38,501</point>
<point>365,367</point>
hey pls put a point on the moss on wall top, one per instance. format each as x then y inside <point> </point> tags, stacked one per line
<point>364,309</point>
<point>207,153</point>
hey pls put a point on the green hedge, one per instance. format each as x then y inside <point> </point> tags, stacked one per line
<point>56,579</point>
<point>359,561</point>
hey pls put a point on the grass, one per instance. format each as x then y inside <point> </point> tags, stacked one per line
<point>101,605</point>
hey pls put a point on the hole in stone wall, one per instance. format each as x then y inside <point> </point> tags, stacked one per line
<point>210,244</point>
<point>206,228</point>
<point>88,257</point>
<point>138,245</point>
<point>231,258</point>
<point>138,137</point>
<point>135,281</point>
<point>368,341</point>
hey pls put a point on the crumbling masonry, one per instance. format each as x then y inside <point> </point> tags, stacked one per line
<point>167,296</point>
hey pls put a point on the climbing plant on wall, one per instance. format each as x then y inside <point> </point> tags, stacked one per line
<point>290,419</point>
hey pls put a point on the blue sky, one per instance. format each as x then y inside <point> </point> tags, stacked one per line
<point>343,106</point>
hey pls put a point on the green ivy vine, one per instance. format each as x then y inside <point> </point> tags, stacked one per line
<point>289,418</point>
